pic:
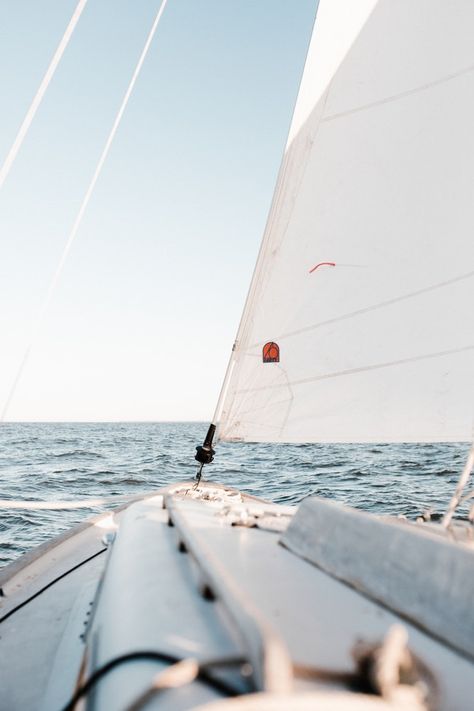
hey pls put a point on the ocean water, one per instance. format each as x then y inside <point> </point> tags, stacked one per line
<point>75,461</point>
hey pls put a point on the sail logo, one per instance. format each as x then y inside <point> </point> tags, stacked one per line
<point>271,352</point>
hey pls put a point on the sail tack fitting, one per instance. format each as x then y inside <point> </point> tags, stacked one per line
<point>205,452</point>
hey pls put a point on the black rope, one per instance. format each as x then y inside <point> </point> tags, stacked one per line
<point>203,675</point>
<point>48,585</point>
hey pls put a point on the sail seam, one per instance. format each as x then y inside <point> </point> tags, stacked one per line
<point>368,309</point>
<point>401,95</point>
<point>253,410</point>
<point>362,369</point>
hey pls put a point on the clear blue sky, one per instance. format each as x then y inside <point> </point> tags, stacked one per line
<point>147,308</point>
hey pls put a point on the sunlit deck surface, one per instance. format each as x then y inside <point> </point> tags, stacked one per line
<point>188,577</point>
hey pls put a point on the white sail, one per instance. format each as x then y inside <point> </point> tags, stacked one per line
<point>377,179</point>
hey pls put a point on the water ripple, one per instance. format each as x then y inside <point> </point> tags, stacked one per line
<point>59,461</point>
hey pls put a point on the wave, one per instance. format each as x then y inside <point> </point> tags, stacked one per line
<point>79,453</point>
<point>75,460</point>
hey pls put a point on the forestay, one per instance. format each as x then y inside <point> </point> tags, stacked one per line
<point>358,323</point>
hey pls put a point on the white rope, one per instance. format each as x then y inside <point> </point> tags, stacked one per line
<point>57,505</point>
<point>81,212</point>
<point>173,677</point>
<point>30,114</point>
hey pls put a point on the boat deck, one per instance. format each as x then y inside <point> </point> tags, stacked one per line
<point>188,577</point>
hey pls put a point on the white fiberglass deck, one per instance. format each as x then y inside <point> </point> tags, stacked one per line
<point>208,586</point>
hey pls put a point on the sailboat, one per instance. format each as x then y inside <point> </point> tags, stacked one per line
<point>357,328</point>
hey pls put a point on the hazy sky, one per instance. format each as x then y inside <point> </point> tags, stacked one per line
<point>147,308</point>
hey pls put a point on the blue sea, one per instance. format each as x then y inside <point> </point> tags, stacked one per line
<point>74,461</point>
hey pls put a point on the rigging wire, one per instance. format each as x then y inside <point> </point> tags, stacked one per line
<point>80,214</point>
<point>35,104</point>
<point>463,479</point>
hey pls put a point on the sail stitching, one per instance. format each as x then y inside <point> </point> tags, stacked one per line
<point>262,407</point>
<point>365,368</point>
<point>237,411</point>
<point>401,95</point>
<point>368,309</point>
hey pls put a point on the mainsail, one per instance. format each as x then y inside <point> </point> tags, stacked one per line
<point>358,322</point>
